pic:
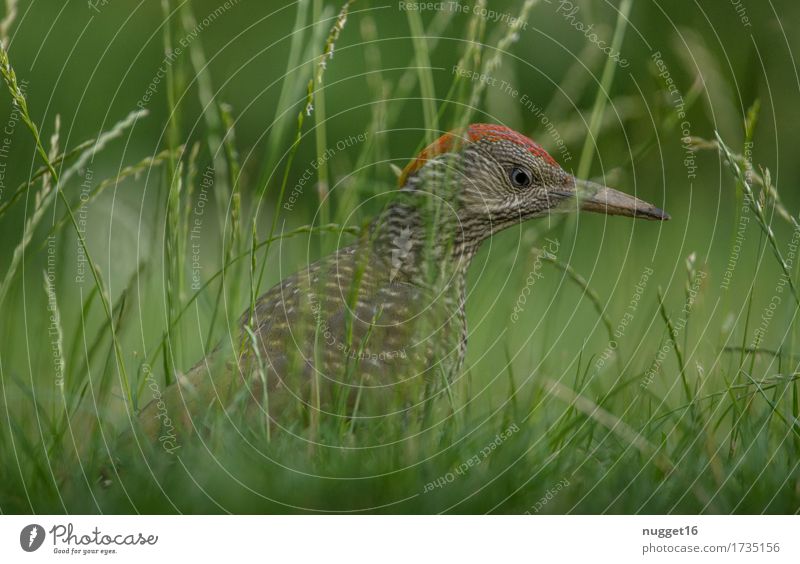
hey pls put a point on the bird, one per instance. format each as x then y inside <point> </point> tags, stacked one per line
<point>375,329</point>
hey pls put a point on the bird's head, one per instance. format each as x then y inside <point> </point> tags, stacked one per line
<point>502,178</point>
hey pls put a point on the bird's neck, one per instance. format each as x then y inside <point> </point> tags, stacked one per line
<point>423,245</point>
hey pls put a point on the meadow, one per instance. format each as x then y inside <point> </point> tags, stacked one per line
<point>163,164</point>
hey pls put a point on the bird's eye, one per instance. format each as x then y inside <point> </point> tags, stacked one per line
<point>520,177</point>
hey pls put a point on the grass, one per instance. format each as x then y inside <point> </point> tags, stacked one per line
<point>697,412</point>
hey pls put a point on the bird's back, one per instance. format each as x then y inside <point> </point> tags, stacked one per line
<point>345,337</point>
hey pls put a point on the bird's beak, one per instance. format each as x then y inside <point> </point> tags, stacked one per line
<point>594,197</point>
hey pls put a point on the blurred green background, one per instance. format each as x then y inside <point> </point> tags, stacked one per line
<point>92,64</point>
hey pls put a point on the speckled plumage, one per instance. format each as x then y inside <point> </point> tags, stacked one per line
<point>375,328</point>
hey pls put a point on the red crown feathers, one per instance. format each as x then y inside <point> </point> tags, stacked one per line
<point>453,140</point>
